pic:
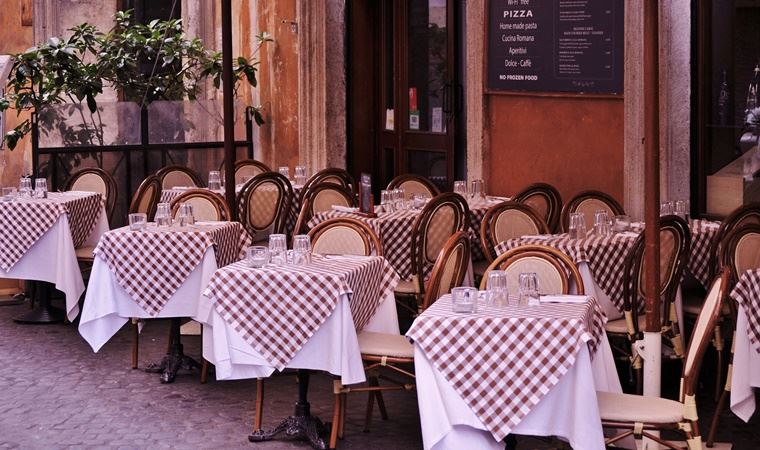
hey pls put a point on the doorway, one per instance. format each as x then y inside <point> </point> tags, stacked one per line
<point>405,95</point>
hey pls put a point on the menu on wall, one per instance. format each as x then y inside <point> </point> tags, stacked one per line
<point>556,46</point>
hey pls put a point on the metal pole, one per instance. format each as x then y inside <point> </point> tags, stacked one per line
<point>228,107</point>
<point>652,338</point>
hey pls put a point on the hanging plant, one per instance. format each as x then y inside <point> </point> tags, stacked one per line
<point>76,69</point>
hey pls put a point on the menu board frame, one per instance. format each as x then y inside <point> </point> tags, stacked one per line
<point>488,89</point>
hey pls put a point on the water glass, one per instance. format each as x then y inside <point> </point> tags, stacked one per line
<point>682,209</point>
<point>300,175</point>
<point>420,200</point>
<point>301,250</point>
<point>386,200</point>
<point>577,229</point>
<point>257,256</point>
<point>496,289</point>
<point>284,171</point>
<point>529,289</point>
<point>399,198</point>
<point>601,223</point>
<point>622,224</point>
<point>666,208</point>
<point>9,193</point>
<point>163,215</point>
<point>185,215</point>
<point>460,187</point>
<point>137,221</point>
<point>278,249</point>
<point>25,187</point>
<point>464,300</point>
<point>40,188</point>
<point>476,189</point>
<point>214,180</point>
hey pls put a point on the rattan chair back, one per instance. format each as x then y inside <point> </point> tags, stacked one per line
<point>345,236</point>
<point>449,269</point>
<point>556,272</point>
<point>146,197</point>
<point>207,206</point>
<point>744,215</point>
<point>331,175</point>
<point>414,184</point>
<point>508,220</point>
<point>264,203</point>
<point>588,203</point>
<point>95,180</point>
<point>321,198</point>
<point>179,176</point>
<point>545,200</point>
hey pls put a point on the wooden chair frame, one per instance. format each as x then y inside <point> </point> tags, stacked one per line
<point>308,195</point>
<point>553,201</point>
<point>371,241</point>
<point>730,223</point>
<point>572,205</point>
<point>488,225</point>
<point>346,179</point>
<point>401,179</point>
<point>162,173</point>
<point>112,189</point>
<point>282,209</point>
<point>219,202</point>
<point>239,164</point>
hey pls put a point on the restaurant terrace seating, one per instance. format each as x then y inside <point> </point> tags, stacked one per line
<point>145,199</point>
<point>95,180</point>
<point>330,175</point>
<point>207,206</point>
<point>246,168</point>
<point>322,197</point>
<point>546,200</point>
<point>179,176</point>
<point>345,236</point>
<point>264,203</point>
<point>414,184</point>
<point>589,202</point>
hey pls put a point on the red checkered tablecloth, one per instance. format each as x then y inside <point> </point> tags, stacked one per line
<point>152,264</point>
<point>395,232</point>
<point>277,309</point>
<point>605,256</point>
<point>747,294</point>
<point>703,233</point>
<point>24,221</point>
<point>503,361</point>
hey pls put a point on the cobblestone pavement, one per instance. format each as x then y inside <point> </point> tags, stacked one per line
<point>56,393</point>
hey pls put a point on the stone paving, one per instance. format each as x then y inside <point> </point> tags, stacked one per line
<point>56,393</point>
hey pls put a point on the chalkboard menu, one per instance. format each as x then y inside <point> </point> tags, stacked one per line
<point>556,46</point>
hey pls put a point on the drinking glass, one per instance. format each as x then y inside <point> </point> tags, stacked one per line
<point>666,208</point>
<point>300,175</point>
<point>25,187</point>
<point>278,248</point>
<point>399,197</point>
<point>577,229</point>
<point>420,200</point>
<point>284,171</point>
<point>257,256</point>
<point>185,215</point>
<point>476,189</point>
<point>496,289</point>
<point>9,193</point>
<point>682,209</point>
<point>529,289</point>
<point>464,299</point>
<point>163,216</point>
<point>214,180</point>
<point>386,200</point>
<point>622,224</point>
<point>40,188</point>
<point>460,187</point>
<point>137,221</point>
<point>301,249</point>
<point>601,223</point>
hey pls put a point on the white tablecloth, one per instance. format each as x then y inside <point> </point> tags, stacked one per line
<point>333,348</point>
<point>108,307</point>
<point>746,374</point>
<point>569,410</point>
<point>53,259</point>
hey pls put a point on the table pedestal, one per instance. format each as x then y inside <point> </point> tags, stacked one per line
<point>175,359</point>
<point>301,425</point>
<point>44,312</point>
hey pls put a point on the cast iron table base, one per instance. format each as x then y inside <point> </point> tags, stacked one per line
<point>302,425</point>
<point>44,312</point>
<point>175,359</point>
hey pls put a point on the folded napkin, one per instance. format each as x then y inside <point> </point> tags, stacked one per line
<point>631,234</point>
<point>495,198</point>
<point>344,208</point>
<point>538,236</point>
<point>564,298</point>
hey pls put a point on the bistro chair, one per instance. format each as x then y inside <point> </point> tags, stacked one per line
<point>331,175</point>
<point>414,184</point>
<point>741,252</point>
<point>207,206</point>
<point>392,351</point>
<point>675,243</point>
<point>95,180</point>
<point>556,272</point>
<point>145,199</point>
<point>321,198</point>
<point>246,168</point>
<point>179,176</point>
<point>639,415</point>
<point>443,216</point>
<point>264,204</point>
<point>744,215</point>
<point>589,202</point>
<point>345,236</point>
<point>545,200</point>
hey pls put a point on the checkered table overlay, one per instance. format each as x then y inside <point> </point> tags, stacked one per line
<point>23,222</point>
<point>294,301</point>
<point>395,232</point>
<point>153,263</point>
<point>747,294</point>
<point>604,255</point>
<point>702,235</point>
<point>503,361</point>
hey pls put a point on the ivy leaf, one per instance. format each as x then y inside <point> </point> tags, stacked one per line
<point>91,104</point>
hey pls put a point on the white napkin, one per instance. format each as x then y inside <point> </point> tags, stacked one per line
<point>344,209</point>
<point>631,234</point>
<point>542,237</point>
<point>564,298</point>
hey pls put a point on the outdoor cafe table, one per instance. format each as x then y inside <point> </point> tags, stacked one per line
<point>600,259</point>
<point>524,369</point>
<point>746,364</point>
<point>395,231</point>
<point>38,241</point>
<point>157,272</point>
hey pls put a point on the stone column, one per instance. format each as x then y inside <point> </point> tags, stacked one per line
<point>477,137</point>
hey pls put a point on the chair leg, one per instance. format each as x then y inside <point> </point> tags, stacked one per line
<point>341,426</point>
<point>204,371</point>
<point>135,342</point>
<point>381,405</point>
<point>718,344</point>
<point>639,380</point>
<point>259,404</point>
<point>368,415</point>
<point>335,421</point>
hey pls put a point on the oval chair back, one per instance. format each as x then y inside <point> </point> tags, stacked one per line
<point>264,203</point>
<point>545,200</point>
<point>178,176</point>
<point>321,198</point>
<point>508,220</point>
<point>443,216</point>
<point>146,197</point>
<point>246,168</point>
<point>414,184</point>
<point>556,272</point>
<point>207,206</point>
<point>589,202</point>
<point>449,269</point>
<point>95,180</point>
<point>345,236</point>
<point>331,175</point>
<point>741,250</point>
<point>744,215</point>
